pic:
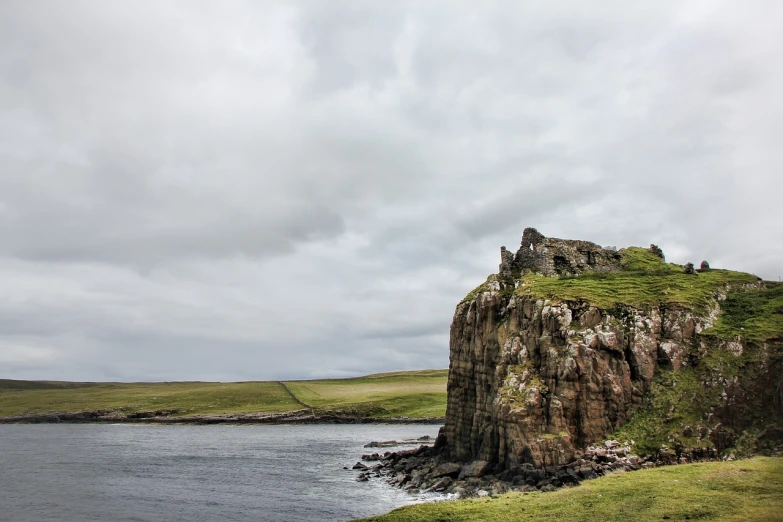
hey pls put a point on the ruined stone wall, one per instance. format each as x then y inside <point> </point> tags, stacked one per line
<point>552,256</point>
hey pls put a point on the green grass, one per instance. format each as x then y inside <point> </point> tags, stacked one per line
<point>476,291</point>
<point>752,310</point>
<point>645,281</point>
<point>675,400</point>
<point>729,491</point>
<point>188,397</point>
<point>689,396</point>
<point>403,394</point>
<point>409,394</point>
<point>756,315</point>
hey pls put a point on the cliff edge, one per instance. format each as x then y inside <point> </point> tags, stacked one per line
<point>571,343</point>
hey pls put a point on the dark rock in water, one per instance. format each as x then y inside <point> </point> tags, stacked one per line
<point>424,438</point>
<point>360,466</point>
<point>385,444</point>
<point>442,484</point>
<point>423,450</point>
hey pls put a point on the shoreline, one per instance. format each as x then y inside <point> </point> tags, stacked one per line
<point>167,417</point>
<point>428,469</point>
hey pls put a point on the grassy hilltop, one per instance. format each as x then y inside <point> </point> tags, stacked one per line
<point>415,394</point>
<point>753,308</point>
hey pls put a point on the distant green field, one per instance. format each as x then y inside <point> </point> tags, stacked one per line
<point>410,394</point>
<point>401,394</point>
<point>188,397</point>
<point>737,491</point>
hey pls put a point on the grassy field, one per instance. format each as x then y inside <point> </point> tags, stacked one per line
<point>188,397</point>
<point>402,394</point>
<point>410,394</point>
<point>730,491</point>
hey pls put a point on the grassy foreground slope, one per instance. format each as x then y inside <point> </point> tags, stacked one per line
<point>409,394</point>
<point>401,394</point>
<point>730,491</point>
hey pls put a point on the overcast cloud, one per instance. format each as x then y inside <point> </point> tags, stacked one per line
<point>260,190</point>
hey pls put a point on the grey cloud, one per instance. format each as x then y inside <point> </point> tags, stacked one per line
<point>404,332</point>
<point>289,190</point>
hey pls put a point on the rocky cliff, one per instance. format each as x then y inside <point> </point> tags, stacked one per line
<point>571,343</point>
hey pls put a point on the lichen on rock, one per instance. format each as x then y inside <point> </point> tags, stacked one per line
<point>571,342</point>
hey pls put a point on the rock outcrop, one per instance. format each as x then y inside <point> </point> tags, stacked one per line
<point>422,470</point>
<point>569,341</point>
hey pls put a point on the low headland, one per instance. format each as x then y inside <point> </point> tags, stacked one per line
<point>409,397</point>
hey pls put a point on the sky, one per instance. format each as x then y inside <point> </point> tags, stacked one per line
<point>231,190</point>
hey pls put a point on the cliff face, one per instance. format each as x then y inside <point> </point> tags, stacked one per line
<point>571,342</point>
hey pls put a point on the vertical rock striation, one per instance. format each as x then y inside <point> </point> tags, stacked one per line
<point>536,379</point>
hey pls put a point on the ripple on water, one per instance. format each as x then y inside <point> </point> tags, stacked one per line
<point>148,472</point>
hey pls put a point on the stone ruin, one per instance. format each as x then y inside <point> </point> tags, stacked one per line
<point>550,256</point>
<point>656,250</point>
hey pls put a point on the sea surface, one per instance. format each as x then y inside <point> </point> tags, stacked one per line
<point>84,472</point>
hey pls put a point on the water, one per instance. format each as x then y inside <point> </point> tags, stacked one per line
<point>138,472</point>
